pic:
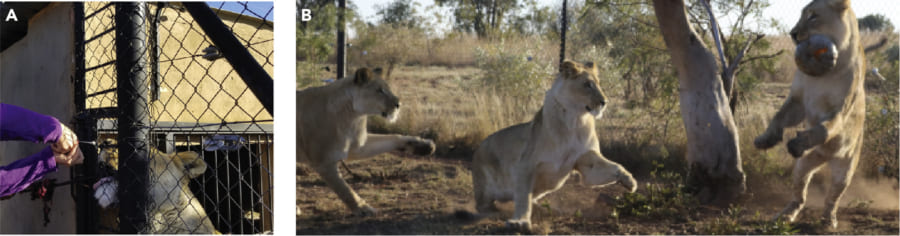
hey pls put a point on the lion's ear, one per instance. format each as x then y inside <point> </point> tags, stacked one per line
<point>839,5</point>
<point>193,163</point>
<point>591,67</point>
<point>362,76</point>
<point>569,69</point>
<point>378,71</point>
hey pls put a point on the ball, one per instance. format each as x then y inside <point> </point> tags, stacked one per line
<point>816,55</point>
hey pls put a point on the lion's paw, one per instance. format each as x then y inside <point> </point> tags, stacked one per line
<point>790,212</point>
<point>519,225</point>
<point>422,147</point>
<point>365,211</point>
<point>766,140</point>
<point>830,221</point>
<point>796,147</point>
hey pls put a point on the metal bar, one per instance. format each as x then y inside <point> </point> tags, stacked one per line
<point>101,65</point>
<point>85,205</point>
<point>240,201</point>
<point>169,140</point>
<point>229,191</point>
<point>241,60</point>
<point>100,35</point>
<point>341,41</point>
<point>101,93</point>
<point>562,30</point>
<point>97,11</point>
<point>154,54</point>
<point>218,198</point>
<point>97,113</point>
<point>133,174</point>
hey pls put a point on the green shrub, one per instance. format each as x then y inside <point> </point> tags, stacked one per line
<point>509,71</point>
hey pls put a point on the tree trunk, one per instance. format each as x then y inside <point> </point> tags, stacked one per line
<point>713,154</point>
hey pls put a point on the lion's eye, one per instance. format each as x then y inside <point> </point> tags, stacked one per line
<point>381,90</point>
<point>588,85</point>
<point>812,17</point>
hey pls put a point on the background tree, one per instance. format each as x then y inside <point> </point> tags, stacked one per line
<point>533,19</point>
<point>316,38</point>
<point>627,29</point>
<point>479,16</point>
<point>744,47</point>
<point>399,13</point>
<point>875,22</point>
<point>712,140</point>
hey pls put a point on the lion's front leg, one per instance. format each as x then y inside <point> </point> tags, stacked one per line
<point>380,143</point>
<point>329,172</point>
<point>522,197</point>
<point>815,135</point>
<point>790,114</point>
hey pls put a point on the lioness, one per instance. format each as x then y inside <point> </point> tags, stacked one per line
<point>833,105</point>
<point>527,161</point>
<point>173,207</point>
<point>331,127</point>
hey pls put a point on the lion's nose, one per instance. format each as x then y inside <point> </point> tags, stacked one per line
<point>794,36</point>
<point>397,105</point>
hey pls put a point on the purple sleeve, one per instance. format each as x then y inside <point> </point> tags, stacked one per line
<point>18,123</point>
<point>17,176</point>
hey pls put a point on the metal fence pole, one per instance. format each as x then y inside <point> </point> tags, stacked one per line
<point>562,30</point>
<point>134,117</point>
<point>86,209</point>
<point>341,41</point>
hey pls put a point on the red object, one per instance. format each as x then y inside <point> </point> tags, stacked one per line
<point>820,52</point>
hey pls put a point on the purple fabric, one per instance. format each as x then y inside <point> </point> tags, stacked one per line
<point>20,174</point>
<point>18,123</point>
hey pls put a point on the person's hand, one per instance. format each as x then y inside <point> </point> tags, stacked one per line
<point>66,150</point>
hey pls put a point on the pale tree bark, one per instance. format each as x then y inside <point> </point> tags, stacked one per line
<point>712,141</point>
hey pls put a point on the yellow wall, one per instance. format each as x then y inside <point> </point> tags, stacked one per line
<point>192,88</point>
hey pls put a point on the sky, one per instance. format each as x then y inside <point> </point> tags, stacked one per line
<point>787,12</point>
<point>255,9</point>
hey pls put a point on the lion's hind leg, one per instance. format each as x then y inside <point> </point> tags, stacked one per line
<point>329,172</point>
<point>842,170</point>
<point>804,168</point>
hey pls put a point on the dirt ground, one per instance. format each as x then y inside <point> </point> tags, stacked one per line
<point>419,195</point>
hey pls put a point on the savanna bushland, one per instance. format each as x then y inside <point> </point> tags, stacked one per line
<point>465,69</point>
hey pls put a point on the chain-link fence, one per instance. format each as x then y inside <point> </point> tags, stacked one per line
<point>174,105</point>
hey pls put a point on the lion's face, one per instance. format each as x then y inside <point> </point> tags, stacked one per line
<point>578,88</point>
<point>372,95</point>
<point>170,175</point>
<point>832,19</point>
<point>597,171</point>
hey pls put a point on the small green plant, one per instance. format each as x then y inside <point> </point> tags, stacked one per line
<point>666,197</point>
<point>778,227</point>
<point>723,227</point>
<point>860,204</point>
<point>729,224</point>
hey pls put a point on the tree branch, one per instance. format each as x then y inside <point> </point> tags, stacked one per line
<point>737,59</point>
<point>749,59</point>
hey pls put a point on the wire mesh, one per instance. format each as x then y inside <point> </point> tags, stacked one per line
<point>195,103</point>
